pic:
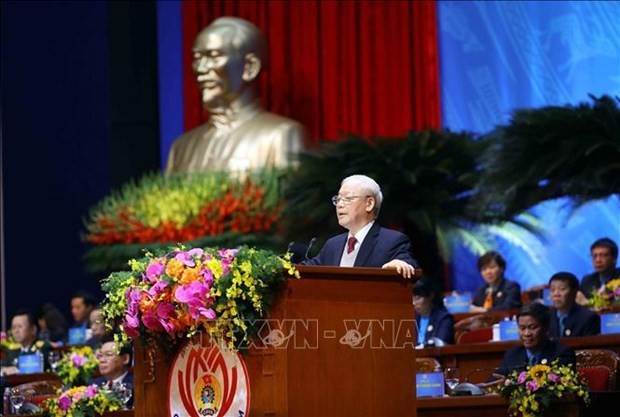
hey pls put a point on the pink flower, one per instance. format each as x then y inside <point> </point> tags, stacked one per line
<point>521,378</point>
<point>133,301</point>
<point>77,396</point>
<point>132,332</point>
<point>78,360</point>
<point>131,321</point>
<point>553,377</point>
<point>187,258</point>
<point>166,311</point>
<point>207,276</point>
<point>154,270</point>
<point>208,313</point>
<point>64,402</point>
<point>196,253</point>
<point>3,336</point>
<point>151,322</point>
<point>157,288</point>
<point>92,390</point>
<point>194,294</point>
<point>531,386</point>
<point>130,325</point>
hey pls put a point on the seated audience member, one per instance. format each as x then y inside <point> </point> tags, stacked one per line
<point>82,303</point>
<point>498,293</point>
<point>533,326</point>
<point>366,243</point>
<point>569,319</point>
<point>52,325</point>
<point>98,329</point>
<point>115,367</point>
<point>24,332</point>
<point>432,318</point>
<point>604,253</point>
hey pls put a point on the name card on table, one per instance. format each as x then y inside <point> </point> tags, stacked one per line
<point>430,384</point>
<point>77,336</point>
<point>30,364</point>
<point>508,330</point>
<point>458,303</point>
<point>610,323</point>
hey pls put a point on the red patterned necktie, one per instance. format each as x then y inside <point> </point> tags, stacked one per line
<point>351,244</point>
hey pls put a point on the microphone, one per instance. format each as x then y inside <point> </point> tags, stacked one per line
<point>290,246</point>
<point>310,244</point>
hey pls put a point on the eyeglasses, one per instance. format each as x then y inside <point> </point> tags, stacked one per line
<point>107,355</point>
<point>346,200</point>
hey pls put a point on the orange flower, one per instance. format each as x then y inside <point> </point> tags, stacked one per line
<point>174,268</point>
<point>189,275</point>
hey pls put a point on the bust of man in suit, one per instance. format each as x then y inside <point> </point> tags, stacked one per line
<point>240,135</point>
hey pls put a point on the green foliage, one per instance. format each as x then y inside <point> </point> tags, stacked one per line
<point>552,152</point>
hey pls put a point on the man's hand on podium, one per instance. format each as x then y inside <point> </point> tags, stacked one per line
<point>401,267</point>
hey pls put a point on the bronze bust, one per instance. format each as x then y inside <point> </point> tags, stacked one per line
<point>240,135</point>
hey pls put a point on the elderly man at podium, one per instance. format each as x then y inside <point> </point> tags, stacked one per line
<point>240,135</point>
<point>366,244</point>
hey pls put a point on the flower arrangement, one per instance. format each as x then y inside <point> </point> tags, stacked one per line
<point>82,401</point>
<point>530,392</point>
<point>7,342</point>
<point>160,211</point>
<point>77,366</point>
<point>172,296</point>
<point>606,296</point>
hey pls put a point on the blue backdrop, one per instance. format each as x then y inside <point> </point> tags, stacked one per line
<point>500,56</point>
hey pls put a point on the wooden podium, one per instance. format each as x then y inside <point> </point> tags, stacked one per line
<point>340,344</point>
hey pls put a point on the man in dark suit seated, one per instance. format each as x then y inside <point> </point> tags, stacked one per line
<point>533,325</point>
<point>24,331</point>
<point>569,319</point>
<point>366,244</point>
<point>604,254</point>
<point>114,367</point>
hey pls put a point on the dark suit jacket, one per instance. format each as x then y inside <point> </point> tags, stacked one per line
<point>127,380</point>
<point>507,295</point>
<point>581,321</point>
<point>592,282</point>
<point>440,325</point>
<point>380,246</point>
<point>516,357</point>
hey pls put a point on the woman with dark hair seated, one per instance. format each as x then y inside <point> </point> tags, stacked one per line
<point>435,324</point>
<point>498,293</point>
<point>533,326</point>
<point>52,325</point>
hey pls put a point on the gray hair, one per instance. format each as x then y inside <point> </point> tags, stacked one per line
<point>369,186</point>
<point>246,36</point>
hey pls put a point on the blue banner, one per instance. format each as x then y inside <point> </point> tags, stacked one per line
<point>458,303</point>
<point>429,384</point>
<point>30,364</point>
<point>508,330</point>
<point>610,323</point>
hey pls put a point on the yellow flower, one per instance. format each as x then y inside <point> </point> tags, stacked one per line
<point>539,373</point>
<point>175,268</point>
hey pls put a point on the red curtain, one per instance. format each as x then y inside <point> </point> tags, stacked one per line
<point>365,67</point>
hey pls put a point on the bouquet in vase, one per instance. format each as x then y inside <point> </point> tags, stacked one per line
<point>81,401</point>
<point>174,295</point>
<point>77,366</point>
<point>606,296</point>
<point>532,391</point>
